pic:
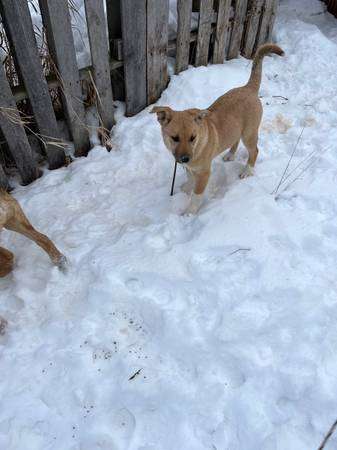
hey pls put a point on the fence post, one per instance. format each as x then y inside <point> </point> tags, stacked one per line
<point>252,27</point>
<point>14,133</point>
<point>95,15</point>
<point>19,29</point>
<point>56,20</point>
<point>184,10</point>
<point>238,25</point>
<point>204,32</point>
<point>134,51</point>
<point>267,22</point>
<point>157,42</point>
<point>4,183</point>
<point>221,33</point>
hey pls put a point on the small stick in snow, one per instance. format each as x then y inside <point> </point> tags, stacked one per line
<point>239,250</point>
<point>280,96</point>
<point>174,178</point>
<point>135,375</point>
<point>328,436</point>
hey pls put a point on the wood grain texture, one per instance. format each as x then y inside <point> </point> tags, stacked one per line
<point>134,53</point>
<point>99,49</point>
<point>222,31</point>
<point>254,16</point>
<point>157,42</point>
<point>267,22</point>
<point>237,29</point>
<point>184,10</point>
<point>204,32</point>
<point>19,29</point>
<point>14,133</point>
<point>56,20</point>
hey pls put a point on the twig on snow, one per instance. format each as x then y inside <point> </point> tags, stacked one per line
<point>328,436</point>
<point>239,250</point>
<point>135,375</point>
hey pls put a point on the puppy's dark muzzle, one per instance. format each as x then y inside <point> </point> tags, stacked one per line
<point>183,159</point>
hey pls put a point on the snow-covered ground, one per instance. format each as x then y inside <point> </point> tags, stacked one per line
<point>227,320</point>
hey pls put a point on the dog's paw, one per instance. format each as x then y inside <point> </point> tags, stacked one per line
<point>229,156</point>
<point>3,326</point>
<point>194,206</point>
<point>62,263</point>
<point>248,171</point>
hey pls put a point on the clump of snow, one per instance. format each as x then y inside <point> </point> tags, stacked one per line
<point>168,332</point>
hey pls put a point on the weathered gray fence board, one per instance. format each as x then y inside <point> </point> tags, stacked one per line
<point>19,29</point>
<point>204,32</point>
<point>252,27</point>
<point>184,10</point>
<point>15,134</point>
<point>157,42</point>
<point>237,30</point>
<point>4,183</point>
<point>134,50</point>
<point>222,30</point>
<point>95,15</point>
<point>267,22</point>
<point>56,19</point>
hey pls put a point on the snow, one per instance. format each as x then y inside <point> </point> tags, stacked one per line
<point>230,315</point>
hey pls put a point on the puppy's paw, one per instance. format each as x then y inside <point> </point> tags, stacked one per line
<point>62,263</point>
<point>229,156</point>
<point>194,206</point>
<point>3,326</point>
<point>248,171</point>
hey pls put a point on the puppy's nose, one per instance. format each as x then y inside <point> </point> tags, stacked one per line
<point>184,159</point>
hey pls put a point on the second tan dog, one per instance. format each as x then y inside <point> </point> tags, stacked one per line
<point>197,136</point>
<point>13,218</point>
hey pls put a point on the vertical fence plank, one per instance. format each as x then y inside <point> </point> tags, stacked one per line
<point>184,10</point>
<point>4,183</point>
<point>134,51</point>
<point>19,29</point>
<point>222,30</point>
<point>255,11</point>
<point>56,19</point>
<point>204,32</point>
<point>238,25</point>
<point>95,15</point>
<point>157,42</point>
<point>14,133</point>
<point>267,22</point>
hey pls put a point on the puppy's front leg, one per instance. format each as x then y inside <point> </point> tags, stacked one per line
<point>201,180</point>
<point>189,184</point>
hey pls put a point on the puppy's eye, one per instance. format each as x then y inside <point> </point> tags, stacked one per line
<point>192,138</point>
<point>175,138</point>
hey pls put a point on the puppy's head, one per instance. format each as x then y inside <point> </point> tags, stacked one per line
<point>181,131</point>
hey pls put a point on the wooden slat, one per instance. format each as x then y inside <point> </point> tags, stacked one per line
<point>15,134</point>
<point>95,15</point>
<point>251,31</point>
<point>184,10</point>
<point>134,51</point>
<point>222,30</point>
<point>204,32</point>
<point>4,183</point>
<point>56,19</point>
<point>237,30</point>
<point>157,42</point>
<point>267,22</point>
<point>19,29</point>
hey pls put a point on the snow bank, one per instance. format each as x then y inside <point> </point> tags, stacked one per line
<point>169,332</point>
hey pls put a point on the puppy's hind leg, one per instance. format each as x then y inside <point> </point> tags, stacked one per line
<point>230,156</point>
<point>253,151</point>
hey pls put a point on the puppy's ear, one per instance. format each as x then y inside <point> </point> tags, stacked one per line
<point>200,115</point>
<point>164,114</point>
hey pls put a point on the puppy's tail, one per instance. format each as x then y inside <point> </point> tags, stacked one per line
<point>256,74</point>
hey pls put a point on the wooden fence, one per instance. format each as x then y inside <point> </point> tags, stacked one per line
<point>136,50</point>
<point>332,6</point>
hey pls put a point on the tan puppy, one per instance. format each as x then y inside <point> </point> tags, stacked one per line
<point>13,218</point>
<point>197,136</point>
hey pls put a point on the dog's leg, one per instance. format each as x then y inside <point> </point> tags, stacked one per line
<point>189,184</point>
<point>6,262</point>
<point>251,145</point>
<point>19,223</point>
<point>201,180</point>
<point>230,156</point>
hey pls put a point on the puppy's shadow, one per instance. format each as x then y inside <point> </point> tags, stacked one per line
<point>223,176</point>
